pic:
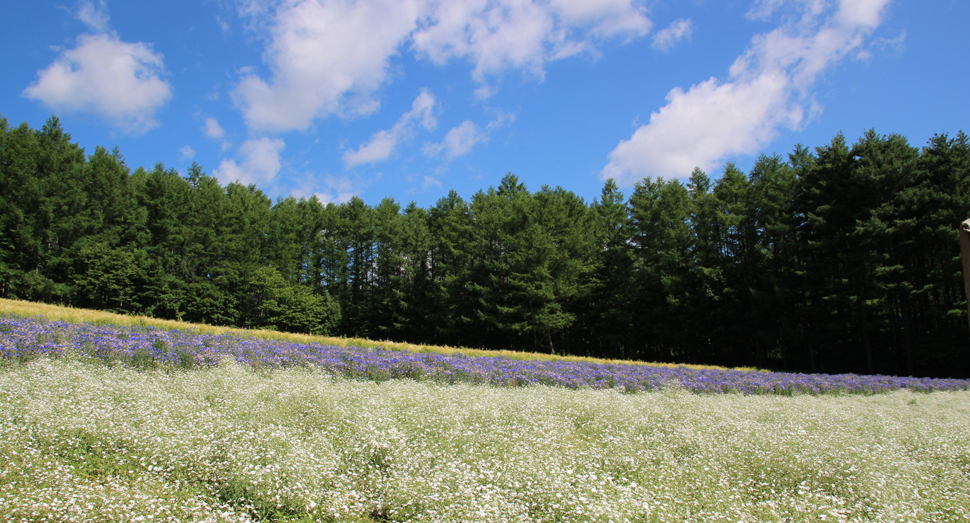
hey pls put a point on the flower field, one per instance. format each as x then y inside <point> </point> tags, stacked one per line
<point>25,338</point>
<point>101,423</point>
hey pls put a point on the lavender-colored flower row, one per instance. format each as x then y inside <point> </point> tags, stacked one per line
<point>25,338</point>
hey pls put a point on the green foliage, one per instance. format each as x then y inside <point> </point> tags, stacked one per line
<point>841,258</point>
<point>302,311</point>
<point>105,277</point>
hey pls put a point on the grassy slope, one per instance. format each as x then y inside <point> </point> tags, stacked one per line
<point>70,314</point>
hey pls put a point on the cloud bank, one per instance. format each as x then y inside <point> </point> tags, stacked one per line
<point>330,57</point>
<point>768,88</point>
<point>118,81</point>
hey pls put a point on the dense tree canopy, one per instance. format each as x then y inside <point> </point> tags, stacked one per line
<point>842,258</point>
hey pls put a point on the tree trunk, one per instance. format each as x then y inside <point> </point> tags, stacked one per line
<point>759,359</point>
<point>811,357</point>
<point>865,340</point>
<point>965,254</point>
<point>811,350</point>
<point>908,335</point>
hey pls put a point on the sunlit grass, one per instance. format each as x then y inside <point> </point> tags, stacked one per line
<point>70,314</point>
<point>85,442</point>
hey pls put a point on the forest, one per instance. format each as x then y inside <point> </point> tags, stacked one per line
<point>841,258</point>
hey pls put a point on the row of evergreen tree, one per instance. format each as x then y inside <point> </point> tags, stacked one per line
<point>838,259</point>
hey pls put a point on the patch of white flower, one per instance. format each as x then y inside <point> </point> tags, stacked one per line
<point>83,442</point>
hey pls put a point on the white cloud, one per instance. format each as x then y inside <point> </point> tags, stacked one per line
<point>118,81</point>
<point>494,37</point>
<point>325,58</point>
<point>606,18</point>
<point>764,9</point>
<point>187,153</point>
<point>379,148</point>
<point>223,25</point>
<point>677,31</point>
<point>458,141</point>
<point>506,34</point>
<point>383,143</point>
<point>213,130</point>
<point>95,17</point>
<point>337,190</point>
<point>698,127</point>
<point>330,57</point>
<point>768,89</point>
<point>326,188</point>
<point>861,13</point>
<point>430,181</point>
<point>260,163</point>
<point>502,118</point>
<point>896,45</point>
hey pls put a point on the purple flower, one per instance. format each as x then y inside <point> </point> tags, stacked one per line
<point>22,339</point>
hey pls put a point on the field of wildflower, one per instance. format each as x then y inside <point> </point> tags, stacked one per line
<point>24,338</point>
<point>132,423</point>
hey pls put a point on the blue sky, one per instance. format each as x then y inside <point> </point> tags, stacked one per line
<point>411,98</point>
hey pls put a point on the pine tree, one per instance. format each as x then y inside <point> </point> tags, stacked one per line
<point>607,289</point>
<point>450,258</point>
<point>659,211</point>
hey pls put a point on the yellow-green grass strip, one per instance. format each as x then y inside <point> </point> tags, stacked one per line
<point>75,315</point>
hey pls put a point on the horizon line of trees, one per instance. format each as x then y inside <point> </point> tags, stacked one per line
<point>841,258</point>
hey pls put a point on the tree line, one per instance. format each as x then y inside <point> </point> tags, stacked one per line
<point>841,258</point>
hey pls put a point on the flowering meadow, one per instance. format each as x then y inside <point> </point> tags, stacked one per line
<point>141,346</point>
<point>103,423</point>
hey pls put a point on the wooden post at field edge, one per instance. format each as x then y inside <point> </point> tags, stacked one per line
<point>965,254</point>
